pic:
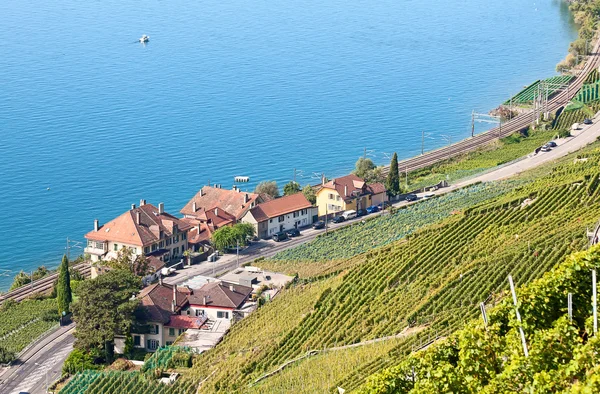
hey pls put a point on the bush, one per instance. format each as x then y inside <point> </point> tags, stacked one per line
<point>121,364</point>
<point>6,356</point>
<point>79,360</point>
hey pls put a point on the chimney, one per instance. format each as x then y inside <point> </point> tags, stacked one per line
<point>174,294</point>
<point>345,190</point>
<point>142,203</point>
<point>132,206</point>
<point>160,279</point>
<point>246,198</point>
<point>201,192</point>
<point>194,206</point>
<point>138,217</point>
<point>204,300</point>
<point>199,229</point>
<point>173,306</point>
<point>231,288</point>
<point>323,179</point>
<point>161,208</point>
<point>234,188</point>
<point>216,211</point>
<point>96,225</point>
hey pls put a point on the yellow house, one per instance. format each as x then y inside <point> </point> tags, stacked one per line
<point>349,193</point>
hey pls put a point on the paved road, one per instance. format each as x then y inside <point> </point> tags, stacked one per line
<point>39,366</point>
<point>51,353</point>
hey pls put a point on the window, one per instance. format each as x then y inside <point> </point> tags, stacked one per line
<point>171,332</point>
<point>181,331</point>
<point>270,220</point>
<point>152,344</point>
<point>199,312</point>
<point>154,329</point>
<point>168,241</point>
<point>281,218</point>
<point>136,340</point>
<point>222,315</point>
<point>303,212</point>
<point>147,249</point>
<point>134,250</point>
<point>154,247</point>
<point>162,244</point>
<point>296,214</point>
<point>184,236</point>
<point>116,247</point>
<point>176,239</point>
<point>331,196</point>
<point>338,198</point>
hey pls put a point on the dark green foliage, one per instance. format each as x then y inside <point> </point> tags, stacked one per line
<point>230,237</point>
<point>81,360</point>
<point>105,308</point>
<point>21,279</point>
<point>291,188</point>
<point>392,183</point>
<point>310,194</point>
<point>6,356</point>
<point>269,188</point>
<point>63,287</point>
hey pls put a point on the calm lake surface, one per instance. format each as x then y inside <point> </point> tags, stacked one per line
<point>91,120</point>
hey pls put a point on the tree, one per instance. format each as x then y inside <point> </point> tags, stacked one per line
<point>291,188</point>
<point>137,265</point>
<point>188,255</point>
<point>309,193</point>
<point>63,287</point>
<point>392,183</point>
<point>269,188</point>
<point>363,167</point>
<point>40,272</point>
<point>227,237</point>
<point>105,308</point>
<point>78,361</point>
<point>20,279</point>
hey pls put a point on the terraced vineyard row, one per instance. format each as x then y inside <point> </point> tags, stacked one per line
<point>526,95</point>
<point>589,93</point>
<point>115,382</point>
<point>568,117</point>
<point>436,277</point>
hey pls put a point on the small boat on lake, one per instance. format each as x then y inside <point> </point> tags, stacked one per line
<point>144,39</point>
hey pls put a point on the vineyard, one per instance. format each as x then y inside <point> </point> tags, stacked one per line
<point>568,117</point>
<point>489,359</point>
<point>527,95</point>
<point>434,279</point>
<point>115,382</point>
<point>588,93</point>
<point>384,229</point>
<point>23,322</point>
<point>169,357</point>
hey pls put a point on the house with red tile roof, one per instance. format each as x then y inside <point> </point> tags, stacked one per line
<point>167,311</point>
<point>145,230</point>
<point>348,193</point>
<point>280,214</point>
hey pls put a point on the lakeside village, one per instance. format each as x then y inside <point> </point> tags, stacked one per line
<point>199,312</point>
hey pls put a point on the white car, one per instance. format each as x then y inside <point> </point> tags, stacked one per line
<point>167,271</point>
<point>429,195</point>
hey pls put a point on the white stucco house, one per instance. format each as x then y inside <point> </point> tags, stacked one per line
<point>280,214</point>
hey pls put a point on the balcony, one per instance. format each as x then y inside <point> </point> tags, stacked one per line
<point>97,249</point>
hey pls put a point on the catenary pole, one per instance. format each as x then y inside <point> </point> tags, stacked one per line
<point>514,296</point>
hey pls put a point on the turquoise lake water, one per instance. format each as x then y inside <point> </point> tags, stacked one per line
<point>92,121</point>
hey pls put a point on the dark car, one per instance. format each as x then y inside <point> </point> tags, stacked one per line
<point>319,225</point>
<point>279,237</point>
<point>373,209</point>
<point>551,144</point>
<point>292,232</point>
<point>587,121</point>
<point>411,197</point>
<point>338,219</point>
<point>361,212</point>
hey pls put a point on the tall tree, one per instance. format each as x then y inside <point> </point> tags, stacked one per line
<point>310,194</point>
<point>228,237</point>
<point>363,167</point>
<point>63,287</point>
<point>291,188</point>
<point>392,183</point>
<point>269,188</point>
<point>105,308</point>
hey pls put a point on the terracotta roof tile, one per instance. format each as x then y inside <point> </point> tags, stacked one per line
<point>219,294</point>
<point>234,202</point>
<point>156,301</point>
<point>280,206</point>
<point>349,184</point>
<point>126,229</point>
<point>187,322</point>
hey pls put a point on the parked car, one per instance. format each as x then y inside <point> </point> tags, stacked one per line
<point>338,219</point>
<point>351,214</point>
<point>282,236</point>
<point>373,209</point>
<point>575,126</point>
<point>551,144</point>
<point>361,212</point>
<point>319,225</point>
<point>411,197</point>
<point>587,121</point>
<point>429,195</point>
<point>546,148</point>
<point>167,271</point>
<point>294,232</point>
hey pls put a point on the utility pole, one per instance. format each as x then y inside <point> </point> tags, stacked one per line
<point>483,313</point>
<point>514,296</point>
<point>570,306</point>
<point>365,153</point>
<point>473,123</point>
<point>422,142</point>
<point>294,175</point>
<point>68,250</point>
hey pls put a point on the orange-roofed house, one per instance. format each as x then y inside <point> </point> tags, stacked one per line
<point>281,214</point>
<point>145,230</point>
<point>349,193</point>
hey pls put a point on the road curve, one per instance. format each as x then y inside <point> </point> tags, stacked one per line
<point>512,126</point>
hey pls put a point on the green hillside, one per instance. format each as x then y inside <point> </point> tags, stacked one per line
<point>562,352</point>
<point>430,283</point>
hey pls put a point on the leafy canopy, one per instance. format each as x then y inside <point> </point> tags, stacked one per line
<point>269,188</point>
<point>231,236</point>
<point>291,188</point>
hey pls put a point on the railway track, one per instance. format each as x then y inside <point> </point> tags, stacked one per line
<point>516,124</point>
<point>41,286</point>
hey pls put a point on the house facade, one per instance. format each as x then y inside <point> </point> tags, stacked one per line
<point>280,214</point>
<point>348,193</point>
<point>145,230</point>
<point>217,300</point>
